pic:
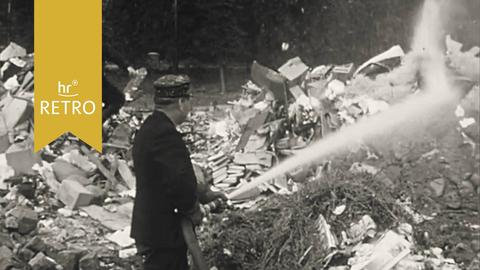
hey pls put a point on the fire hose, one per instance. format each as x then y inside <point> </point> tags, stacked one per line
<point>188,230</point>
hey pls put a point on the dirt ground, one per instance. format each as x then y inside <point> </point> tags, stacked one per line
<point>206,86</point>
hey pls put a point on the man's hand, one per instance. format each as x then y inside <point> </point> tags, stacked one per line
<point>210,196</point>
<point>217,201</point>
<point>219,195</point>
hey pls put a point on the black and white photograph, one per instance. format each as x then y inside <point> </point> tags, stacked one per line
<point>253,135</point>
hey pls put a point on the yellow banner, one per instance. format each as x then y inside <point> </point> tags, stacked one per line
<point>68,70</point>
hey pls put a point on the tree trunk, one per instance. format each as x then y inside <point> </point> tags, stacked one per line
<point>10,25</point>
<point>175,54</point>
<point>222,78</point>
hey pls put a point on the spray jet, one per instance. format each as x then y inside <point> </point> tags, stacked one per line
<point>442,87</point>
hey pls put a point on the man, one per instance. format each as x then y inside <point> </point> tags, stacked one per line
<point>112,97</point>
<point>166,184</point>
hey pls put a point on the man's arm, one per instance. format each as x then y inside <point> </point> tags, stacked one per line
<point>172,161</point>
<point>204,192</point>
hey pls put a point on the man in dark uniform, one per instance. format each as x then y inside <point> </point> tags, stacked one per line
<point>166,188</point>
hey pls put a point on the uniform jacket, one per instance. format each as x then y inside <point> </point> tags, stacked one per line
<point>166,183</point>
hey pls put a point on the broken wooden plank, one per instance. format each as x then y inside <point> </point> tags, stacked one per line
<point>22,160</point>
<point>216,156</point>
<point>296,91</point>
<point>113,221</point>
<point>12,50</point>
<point>252,125</point>
<point>126,174</point>
<point>219,162</point>
<point>220,178</point>
<point>47,173</point>
<point>12,111</point>
<point>270,79</point>
<point>293,69</point>
<point>74,195</point>
<point>4,142</point>
<point>261,158</point>
<point>121,237</point>
<point>121,135</point>
<point>219,172</point>
<point>112,180</point>
<point>112,145</point>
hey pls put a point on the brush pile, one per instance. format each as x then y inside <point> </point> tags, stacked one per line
<point>283,232</point>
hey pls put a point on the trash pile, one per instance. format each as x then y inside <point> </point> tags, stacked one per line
<point>277,114</point>
<point>281,112</point>
<point>347,213</point>
<point>69,207</point>
<point>65,207</point>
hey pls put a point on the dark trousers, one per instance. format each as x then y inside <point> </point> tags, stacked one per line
<point>163,258</point>
<point>112,98</point>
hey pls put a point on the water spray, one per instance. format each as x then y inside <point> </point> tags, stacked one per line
<point>438,93</point>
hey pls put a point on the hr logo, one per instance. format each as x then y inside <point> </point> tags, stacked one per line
<point>68,106</point>
<point>64,89</point>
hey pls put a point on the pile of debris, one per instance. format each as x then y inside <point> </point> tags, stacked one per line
<point>52,202</point>
<point>277,114</point>
<point>347,213</point>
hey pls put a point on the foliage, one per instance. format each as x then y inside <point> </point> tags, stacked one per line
<point>215,31</point>
<point>239,31</point>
